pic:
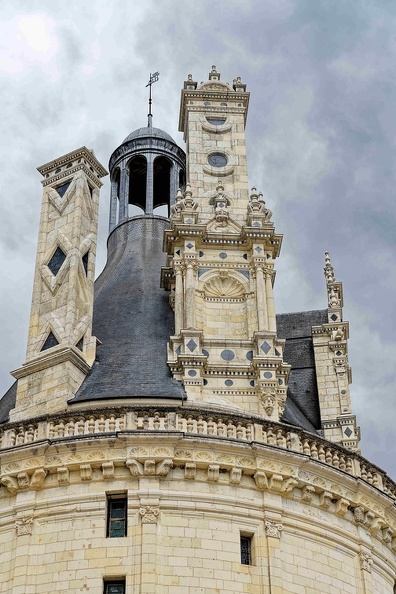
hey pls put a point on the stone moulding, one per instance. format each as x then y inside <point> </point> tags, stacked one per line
<point>205,422</point>
<point>232,463</point>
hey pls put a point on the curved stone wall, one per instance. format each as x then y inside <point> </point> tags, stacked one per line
<point>192,493</point>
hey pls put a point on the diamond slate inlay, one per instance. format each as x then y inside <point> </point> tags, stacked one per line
<point>192,345</point>
<point>190,245</point>
<point>333,317</point>
<point>56,261</point>
<point>348,432</point>
<point>265,347</point>
<point>63,188</point>
<point>258,249</point>
<point>50,342</point>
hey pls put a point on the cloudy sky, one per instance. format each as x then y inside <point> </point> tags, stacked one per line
<point>320,133</point>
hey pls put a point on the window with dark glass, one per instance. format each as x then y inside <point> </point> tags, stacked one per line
<point>116,516</point>
<point>114,586</point>
<point>246,550</point>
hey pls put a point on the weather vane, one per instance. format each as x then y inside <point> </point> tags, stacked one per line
<point>153,78</point>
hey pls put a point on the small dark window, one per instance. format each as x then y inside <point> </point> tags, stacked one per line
<point>246,550</point>
<point>114,586</point>
<point>90,190</point>
<point>116,516</point>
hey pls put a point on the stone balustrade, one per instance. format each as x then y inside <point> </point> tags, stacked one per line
<point>248,428</point>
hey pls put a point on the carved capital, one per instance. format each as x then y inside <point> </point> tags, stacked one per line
<point>149,515</point>
<point>24,526</point>
<point>366,562</point>
<point>273,529</point>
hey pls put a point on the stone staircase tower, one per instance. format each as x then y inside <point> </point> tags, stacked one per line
<point>221,251</point>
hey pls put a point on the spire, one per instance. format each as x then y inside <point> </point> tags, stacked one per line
<point>153,78</point>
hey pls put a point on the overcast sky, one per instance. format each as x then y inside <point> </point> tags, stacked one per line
<point>320,134</point>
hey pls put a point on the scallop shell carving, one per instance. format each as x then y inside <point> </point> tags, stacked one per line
<point>223,287</point>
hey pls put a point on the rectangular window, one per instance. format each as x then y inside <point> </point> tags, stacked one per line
<point>114,586</point>
<point>116,517</point>
<point>246,550</point>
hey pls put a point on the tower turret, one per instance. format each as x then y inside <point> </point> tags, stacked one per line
<point>221,250</point>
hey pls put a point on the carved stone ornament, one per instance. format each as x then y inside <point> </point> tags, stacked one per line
<point>257,209</point>
<point>149,514</point>
<point>334,299</point>
<point>366,562</point>
<point>359,514</point>
<point>273,529</point>
<point>24,526</point>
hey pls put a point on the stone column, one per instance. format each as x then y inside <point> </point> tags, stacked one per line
<point>189,295</point>
<point>179,300</point>
<point>270,300</point>
<point>150,184</point>
<point>124,194</point>
<point>174,183</point>
<point>113,205</point>
<point>262,314</point>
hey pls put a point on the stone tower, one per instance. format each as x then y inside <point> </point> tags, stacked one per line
<point>168,431</point>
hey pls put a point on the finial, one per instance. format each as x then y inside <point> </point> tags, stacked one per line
<point>213,74</point>
<point>328,269</point>
<point>153,78</point>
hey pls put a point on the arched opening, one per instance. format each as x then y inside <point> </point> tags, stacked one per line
<point>134,211</point>
<point>115,207</point>
<point>137,181</point>
<point>182,179</point>
<point>162,169</point>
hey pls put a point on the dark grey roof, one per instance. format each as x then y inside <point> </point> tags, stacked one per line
<point>8,402</point>
<point>132,318</point>
<point>148,132</point>
<point>302,402</point>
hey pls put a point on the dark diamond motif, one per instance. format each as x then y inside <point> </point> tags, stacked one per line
<point>258,249</point>
<point>50,342</point>
<point>178,350</point>
<point>265,347</point>
<point>268,256</point>
<point>62,189</point>
<point>348,432</point>
<point>338,353</point>
<point>85,262</point>
<point>277,353</point>
<point>192,345</point>
<point>56,261</point>
<point>333,317</point>
<point>178,252</point>
<point>190,245</point>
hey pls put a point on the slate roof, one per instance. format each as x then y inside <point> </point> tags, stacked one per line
<point>148,132</point>
<point>132,318</point>
<point>302,402</point>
